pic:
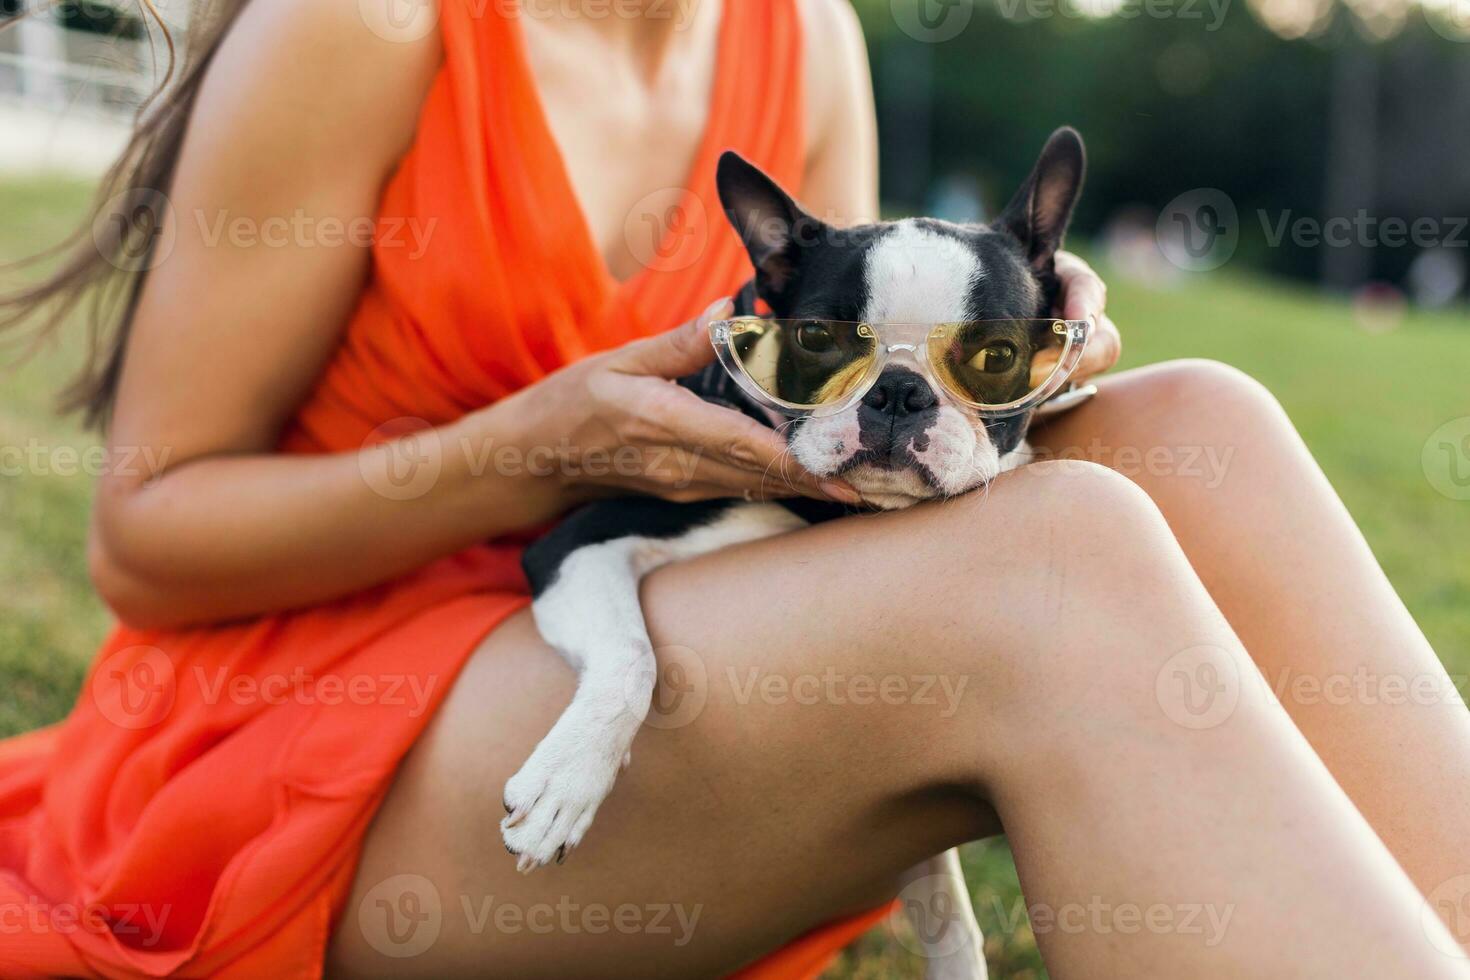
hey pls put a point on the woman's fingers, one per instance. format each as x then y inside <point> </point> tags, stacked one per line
<point>1084,294</point>
<point>688,474</point>
<point>677,352</point>
<point>1042,366</point>
<point>712,478</point>
<point>1084,297</point>
<point>725,453</point>
<point>1103,348</point>
<point>723,435</point>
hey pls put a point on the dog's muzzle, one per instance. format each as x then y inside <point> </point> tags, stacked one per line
<point>894,418</point>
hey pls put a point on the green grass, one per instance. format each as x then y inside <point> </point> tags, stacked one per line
<point>50,622</point>
<point>1366,403</point>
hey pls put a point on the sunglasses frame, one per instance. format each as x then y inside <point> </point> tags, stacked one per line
<point>913,339</point>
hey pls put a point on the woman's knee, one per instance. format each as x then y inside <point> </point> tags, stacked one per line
<point>1104,598</point>
<point>1080,515</point>
<point>1086,557</point>
<point>1182,429</point>
<point>1199,392</point>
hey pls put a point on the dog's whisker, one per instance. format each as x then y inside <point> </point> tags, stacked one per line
<point>779,465</point>
<point>781,427</point>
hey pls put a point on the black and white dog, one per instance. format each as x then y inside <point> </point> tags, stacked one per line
<point>904,442</point>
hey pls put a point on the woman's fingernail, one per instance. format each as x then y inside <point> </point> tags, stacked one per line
<point>840,491</point>
<point>719,309</point>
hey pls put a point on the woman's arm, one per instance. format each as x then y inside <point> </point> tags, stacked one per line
<point>840,185</point>
<point>304,113</point>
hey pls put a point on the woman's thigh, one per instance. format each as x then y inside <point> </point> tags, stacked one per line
<point>831,704</point>
<point>728,833</point>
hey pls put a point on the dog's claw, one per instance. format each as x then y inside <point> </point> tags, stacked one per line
<point>557,791</point>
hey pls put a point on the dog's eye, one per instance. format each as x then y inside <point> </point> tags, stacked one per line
<point>815,337</point>
<point>994,359</point>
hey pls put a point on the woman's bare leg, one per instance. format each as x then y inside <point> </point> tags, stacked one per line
<point>810,762</point>
<point>1293,575</point>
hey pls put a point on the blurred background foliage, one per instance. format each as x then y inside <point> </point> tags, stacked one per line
<point>1296,108</point>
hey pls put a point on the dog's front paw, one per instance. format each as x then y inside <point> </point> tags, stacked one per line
<point>966,964</point>
<point>550,803</point>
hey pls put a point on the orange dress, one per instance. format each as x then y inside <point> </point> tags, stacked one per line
<point>201,810</point>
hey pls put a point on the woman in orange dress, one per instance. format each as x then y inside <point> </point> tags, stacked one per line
<point>408,299</point>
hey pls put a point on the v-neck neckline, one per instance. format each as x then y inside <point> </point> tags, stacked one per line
<point>713,127</point>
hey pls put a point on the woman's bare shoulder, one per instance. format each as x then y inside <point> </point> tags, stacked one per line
<point>836,52</point>
<point>302,114</point>
<point>831,16</point>
<point>328,70</point>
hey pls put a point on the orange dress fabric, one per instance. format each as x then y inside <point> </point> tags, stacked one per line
<point>200,811</point>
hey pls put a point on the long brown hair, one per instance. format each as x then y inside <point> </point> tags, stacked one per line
<point>106,259</point>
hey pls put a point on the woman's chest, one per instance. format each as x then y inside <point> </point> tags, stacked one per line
<point>627,142</point>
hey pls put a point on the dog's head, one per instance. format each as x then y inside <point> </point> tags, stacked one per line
<point>905,440</point>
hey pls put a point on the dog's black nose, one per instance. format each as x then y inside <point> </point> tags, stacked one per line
<point>900,393</point>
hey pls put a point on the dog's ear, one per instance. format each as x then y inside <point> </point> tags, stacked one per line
<point>1039,213</point>
<point>769,222</point>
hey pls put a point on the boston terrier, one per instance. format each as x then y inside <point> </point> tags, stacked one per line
<point>902,442</point>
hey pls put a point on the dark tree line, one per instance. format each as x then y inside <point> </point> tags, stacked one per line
<point>1190,96</point>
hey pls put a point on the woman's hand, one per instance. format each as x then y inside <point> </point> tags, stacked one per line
<point>1083,297</point>
<point>616,422</point>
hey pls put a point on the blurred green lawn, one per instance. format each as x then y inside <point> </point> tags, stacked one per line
<point>1366,404</point>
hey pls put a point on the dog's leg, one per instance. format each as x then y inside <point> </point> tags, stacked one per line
<point>590,614</point>
<point>937,903</point>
